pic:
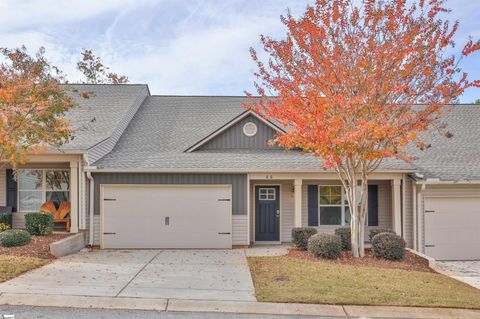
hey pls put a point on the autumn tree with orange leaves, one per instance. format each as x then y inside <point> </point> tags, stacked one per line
<point>32,106</point>
<point>347,77</point>
<point>95,72</point>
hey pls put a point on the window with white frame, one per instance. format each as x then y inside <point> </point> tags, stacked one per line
<point>36,186</point>
<point>331,205</point>
<point>333,208</point>
<point>266,193</point>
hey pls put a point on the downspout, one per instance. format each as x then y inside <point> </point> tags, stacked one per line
<point>415,214</point>
<point>91,190</point>
<point>402,203</point>
<point>420,217</point>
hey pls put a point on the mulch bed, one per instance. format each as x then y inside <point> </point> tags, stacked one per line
<point>38,247</point>
<point>411,261</point>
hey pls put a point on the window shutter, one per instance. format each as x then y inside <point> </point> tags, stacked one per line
<point>11,190</point>
<point>372,205</point>
<point>312,205</point>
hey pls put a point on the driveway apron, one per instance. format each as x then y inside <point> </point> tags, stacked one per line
<point>179,274</point>
<point>466,271</point>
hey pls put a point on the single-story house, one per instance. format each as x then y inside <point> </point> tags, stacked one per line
<point>147,171</point>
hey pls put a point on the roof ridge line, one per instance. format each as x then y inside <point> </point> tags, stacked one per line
<point>179,95</point>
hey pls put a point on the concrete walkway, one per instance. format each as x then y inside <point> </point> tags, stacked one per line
<point>178,274</point>
<point>238,307</point>
<point>268,250</point>
<point>466,271</point>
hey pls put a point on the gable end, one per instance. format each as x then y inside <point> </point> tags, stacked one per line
<point>235,135</point>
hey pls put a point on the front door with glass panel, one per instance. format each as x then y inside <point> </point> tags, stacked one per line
<point>267,213</point>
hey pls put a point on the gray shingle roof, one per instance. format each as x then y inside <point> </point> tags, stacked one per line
<point>95,118</point>
<point>456,158</point>
<point>165,126</point>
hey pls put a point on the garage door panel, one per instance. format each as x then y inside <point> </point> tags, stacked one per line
<point>452,204</point>
<point>452,252</point>
<point>198,217</point>
<point>452,228</point>
<point>445,235</point>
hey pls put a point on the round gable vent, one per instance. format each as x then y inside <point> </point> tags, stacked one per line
<point>250,129</point>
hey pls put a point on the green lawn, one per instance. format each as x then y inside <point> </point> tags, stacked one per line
<point>12,266</point>
<point>288,279</point>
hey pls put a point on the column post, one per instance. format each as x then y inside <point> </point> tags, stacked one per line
<point>298,201</point>
<point>74,196</point>
<point>396,206</point>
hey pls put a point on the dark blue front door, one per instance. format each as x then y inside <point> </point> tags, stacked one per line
<point>267,213</point>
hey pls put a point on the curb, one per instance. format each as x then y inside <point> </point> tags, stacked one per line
<point>60,301</point>
<point>244,307</point>
<point>68,245</point>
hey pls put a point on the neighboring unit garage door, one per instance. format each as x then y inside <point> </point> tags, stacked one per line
<point>166,216</point>
<point>452,228</point>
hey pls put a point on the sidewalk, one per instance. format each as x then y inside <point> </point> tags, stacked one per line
<point>245,307</point>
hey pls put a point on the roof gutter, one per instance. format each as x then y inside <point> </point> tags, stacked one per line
<point>439,182</point>
<point>100,169</point>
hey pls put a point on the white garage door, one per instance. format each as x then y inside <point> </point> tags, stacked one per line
<point>452,228</point>
<point>166,216</point>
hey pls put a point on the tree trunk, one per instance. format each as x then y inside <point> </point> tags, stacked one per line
<point>363,211</point>
<point>350,188</point>
<point>361,235</point>
<point>357,212</point>
<point>352,173</point>
<point>354,239</point>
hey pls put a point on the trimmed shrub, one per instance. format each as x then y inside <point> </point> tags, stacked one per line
<point>345,234</point>
<point>14,237</point>
<point>376,231</point>
<point>325,246</point>
<point>4,227</point>
<point>388,246</point>
<point>39,224</point>
<point>6,218</point>
<point>300,236</point>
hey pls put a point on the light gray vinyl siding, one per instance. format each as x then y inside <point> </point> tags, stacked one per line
<point>385,219</point>
<point>288,211</point>
<point>18,220</point>
<point>287,207</point>
<point>3,187</point>
<point>384,205</point>
<point>238,182</point>
<point>96,230</point>
<point>447,190</point>
<point>234,138</point>
<point>240,230</point>
<point>106,146</point>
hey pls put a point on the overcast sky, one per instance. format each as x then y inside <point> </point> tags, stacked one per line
<point>175,46</point>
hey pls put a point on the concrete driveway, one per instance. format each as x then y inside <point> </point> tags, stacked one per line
<point>176,274</point>
<point>466,271</point>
